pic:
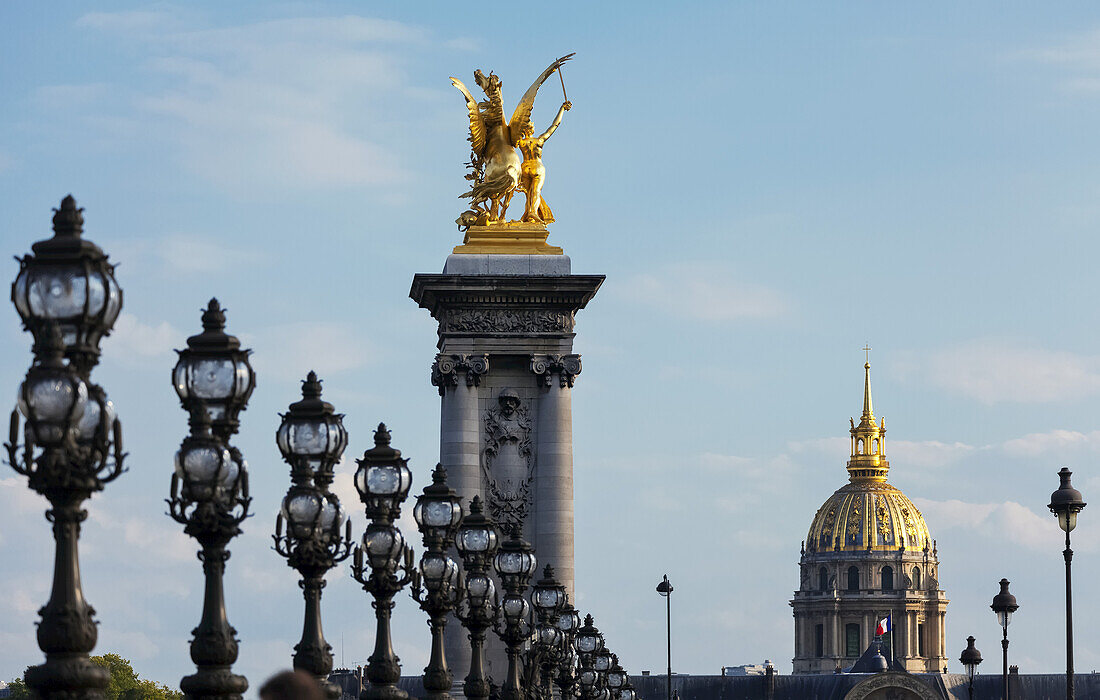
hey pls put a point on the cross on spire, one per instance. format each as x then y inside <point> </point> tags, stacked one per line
<point>867,352</point>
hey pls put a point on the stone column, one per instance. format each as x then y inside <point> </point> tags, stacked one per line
<point>553,531</point>
<point>457,378</point>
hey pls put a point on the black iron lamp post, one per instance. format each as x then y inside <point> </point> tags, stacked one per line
<point>515,563</point>
<point>601,662</point>
<point>213,379</point>
<point>616,677</point>
<point>312,439</point>
<point>210,498</point>
<point>569,621</point>
<point>970,658</point>
<point>438,511</point>
<point>549,597</point>
<point>1066,503</point>
<point>383,480</point>
<point>1004,604</point>
<point>588,642</point>
<point>67,297</point>
<point>665,589</point>
<point>627,692</point>
<point>476,542</point>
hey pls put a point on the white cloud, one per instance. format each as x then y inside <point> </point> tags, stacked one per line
<point>198,254</point>
<point>326,348</point>
<point>995,372</point>
<point>1007,522</point>
<point>1052,442</point>
<point>276,104</point>
<point>132,339</point>
<point>704,291</point>
<point>1078,55</point>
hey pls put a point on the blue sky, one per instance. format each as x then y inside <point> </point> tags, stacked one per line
<point>767,187</point>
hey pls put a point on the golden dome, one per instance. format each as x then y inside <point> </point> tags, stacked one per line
<point>868,514</point>
<point>865,516</point>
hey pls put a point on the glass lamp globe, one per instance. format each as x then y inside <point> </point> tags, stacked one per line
<point>515,608</point>
<point>601,660</point>
<point>587,678</point>
<point>438,571</point>
<point>53,398</point>
<point>1004,604</point>
<point>588,639</point>
<point>438,510</point>
<point>1066,502</point>
<point>312,434</point>
<point>627,692</point>
<point>383,478</point>
<point>384,546</point>
<point>68,282</point>
<point>302,511</point>
<point>213,370</point>
<point>476,537</point>
<point>569,620</point>
<point>548,595</point>
<point>204,464</point>
<point>480,590</point>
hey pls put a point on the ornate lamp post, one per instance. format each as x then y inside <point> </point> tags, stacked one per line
<point>438,511</point>
<point>549,597</point>
<point>312,439</point>
<point>67,297</point>
<point>588,642</point>
<point>1066,503</point>
<point>569,621</point>
<point>210,489</point>
<point>1004,604</point>
<point>970,658</point>
<point>515,563</point>
<point>476,542</point>
<point>383,480</point>
<point>210,498</point>
<point>616,677</point>
<point>665,589</point>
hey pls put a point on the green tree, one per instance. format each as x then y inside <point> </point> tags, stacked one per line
<point>126,685</point>
<point>19,690</point>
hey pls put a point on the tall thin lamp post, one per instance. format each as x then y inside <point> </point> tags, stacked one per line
<point>1066,503</point>
<point>665,589</point>
<point>1004,604</point>
<point>970,658</point>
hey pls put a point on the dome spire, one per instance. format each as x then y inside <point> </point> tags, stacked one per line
<point>868,461</point>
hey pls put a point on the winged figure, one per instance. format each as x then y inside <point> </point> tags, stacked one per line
<point>497,170</point>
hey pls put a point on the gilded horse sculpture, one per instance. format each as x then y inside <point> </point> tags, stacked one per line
<point>497,170</point>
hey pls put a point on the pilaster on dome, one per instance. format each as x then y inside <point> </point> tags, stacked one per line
<point>868,461</point>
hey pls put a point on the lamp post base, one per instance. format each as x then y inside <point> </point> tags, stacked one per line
<point>211,683</point>
<point>71,677</point>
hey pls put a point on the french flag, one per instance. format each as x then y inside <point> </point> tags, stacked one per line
<point>884,626</point>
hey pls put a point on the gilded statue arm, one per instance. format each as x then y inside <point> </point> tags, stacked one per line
<point>557,121</point>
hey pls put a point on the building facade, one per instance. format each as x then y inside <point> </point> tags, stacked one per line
<point>869,555</point>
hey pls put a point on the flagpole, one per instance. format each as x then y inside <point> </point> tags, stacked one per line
<point>893,650</point>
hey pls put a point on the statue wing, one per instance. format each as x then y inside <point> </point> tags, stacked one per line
<point>521,118</point>
<point>477,124</point>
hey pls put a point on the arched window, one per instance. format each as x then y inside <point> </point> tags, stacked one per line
<point>859,446</point>
<point>853,578</point>
<point>851,639</point>
<point>823,579</point>
<point>887,578</point>
<point>916,578</point>
<point>874,445</point>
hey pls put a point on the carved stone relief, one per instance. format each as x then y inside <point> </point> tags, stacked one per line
<point>508,460</point>
<point>567,367</point>
<point>505,321</point>
<point>447,368</point>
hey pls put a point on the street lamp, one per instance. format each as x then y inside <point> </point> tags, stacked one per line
<point>1066,503</point>
<point>438,511</point>
<point>67,297</point>
<point>616,677</point>
<point>514,563</point>
<point>588,642</point>
<point>549,597</point>
<point>1004,604</point>
<point>569,621</point>
<point>476,542</point>
<point>383,480</point>
<point>209,493</point>
<point>665,589</point>
<point>312,438</point>
<point>970,658</point>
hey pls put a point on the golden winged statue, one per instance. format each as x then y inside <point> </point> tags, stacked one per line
<point>496,169</point>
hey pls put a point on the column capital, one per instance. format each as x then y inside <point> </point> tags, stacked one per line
<point>446,370</point>
<point>567,367</point>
